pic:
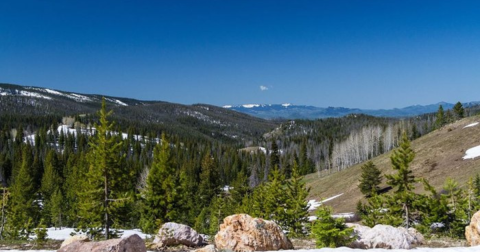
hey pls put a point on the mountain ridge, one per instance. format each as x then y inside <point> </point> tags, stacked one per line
<point>197,120</point>
<point>291,111</point>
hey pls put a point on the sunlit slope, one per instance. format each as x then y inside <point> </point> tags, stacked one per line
<point>439,155</point>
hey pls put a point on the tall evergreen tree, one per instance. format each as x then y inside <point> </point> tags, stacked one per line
<point>23,209</point>
<point>297,206</point>
<point>459,110</point>
<point>274,155</point>
<point>275,198</point>
<point>209,185</point>
<point>161,195</point>
<point>403,181</point>
<point>440,121</point>
<point>51,182</point>
<point>102,196</point>
<point>370,179</point>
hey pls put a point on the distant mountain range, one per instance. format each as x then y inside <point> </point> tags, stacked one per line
<point>290,111</point>
<point>49,101</point>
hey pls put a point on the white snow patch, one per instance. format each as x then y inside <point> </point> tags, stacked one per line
<point>263,149</point>
<point>53,92</point>
<point>116,101</point>
<point>121,103</point>
<point>250,105</point>
<point>286,105</point>
<point>227,106</point>
<point>471,125</point>
<point>64,233</point>
<point>340,215</point>
<point>227,188</point>
<point>472,153</point>
<point>33,94</point>
<point>343,215</point>
<point>81,98</point>
<point>314,204</point>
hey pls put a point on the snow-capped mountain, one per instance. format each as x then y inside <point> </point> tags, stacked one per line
<point>291,111</point>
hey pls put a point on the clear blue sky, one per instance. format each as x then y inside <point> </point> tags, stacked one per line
<point>358,54</point>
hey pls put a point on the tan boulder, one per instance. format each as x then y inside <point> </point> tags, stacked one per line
<point>241,232</point>
<point>132,243</point>
<point>472,231</point>
<point>74,238</point>
<point>208,248</point>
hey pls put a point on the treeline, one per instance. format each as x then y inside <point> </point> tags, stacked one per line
<point>334,144</point>
<point>104,182</point>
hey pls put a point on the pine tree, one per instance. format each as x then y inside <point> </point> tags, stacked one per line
<point>161,194</point>
<point>433,210</point>
<point>57,208</point>
<point>403,181</point>
<point>370,179</point>
<point>373,212</point>
<point>297,206</point>
<point>275,198</point>
<point>440,121</point>
<point>209,180</point>
<point>102,196</point>
<point>51,182</point>
<point>459,110</point>
<point>330,232</point>
<point>457,203</point>
<point>23,209</point>
<point>274,155</point>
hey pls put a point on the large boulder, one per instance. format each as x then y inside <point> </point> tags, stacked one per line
<point>208,248</point>
<point>472,231</point>
<point>173,234</point>
<point>132,243</point>
<point>75,238</point>
<point>241,232</point>
<point>384,236</point>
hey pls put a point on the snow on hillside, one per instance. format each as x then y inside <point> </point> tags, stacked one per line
<point>471,125</point>
<point>80,98</point>
<point>73,96</point>
<point>33,94</point>
<point>116,101</point>
<point>251,105</point>
<point>472,153</point>
<point>314,204</point>
<point>52,92</point>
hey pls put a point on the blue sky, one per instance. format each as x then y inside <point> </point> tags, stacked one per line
<point>360,54</point>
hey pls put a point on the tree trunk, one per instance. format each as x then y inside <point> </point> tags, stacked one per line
<point>107,224</point>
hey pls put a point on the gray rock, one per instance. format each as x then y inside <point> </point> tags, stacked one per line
<point>173,234</point>
<point>384,236</point>
<point>132,243</point>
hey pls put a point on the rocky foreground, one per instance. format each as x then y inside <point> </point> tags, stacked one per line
<point>242,232</point>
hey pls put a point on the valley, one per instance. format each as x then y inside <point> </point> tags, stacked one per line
<point>222,161</point>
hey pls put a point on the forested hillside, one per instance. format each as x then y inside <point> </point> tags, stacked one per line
<point>204,162</point>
